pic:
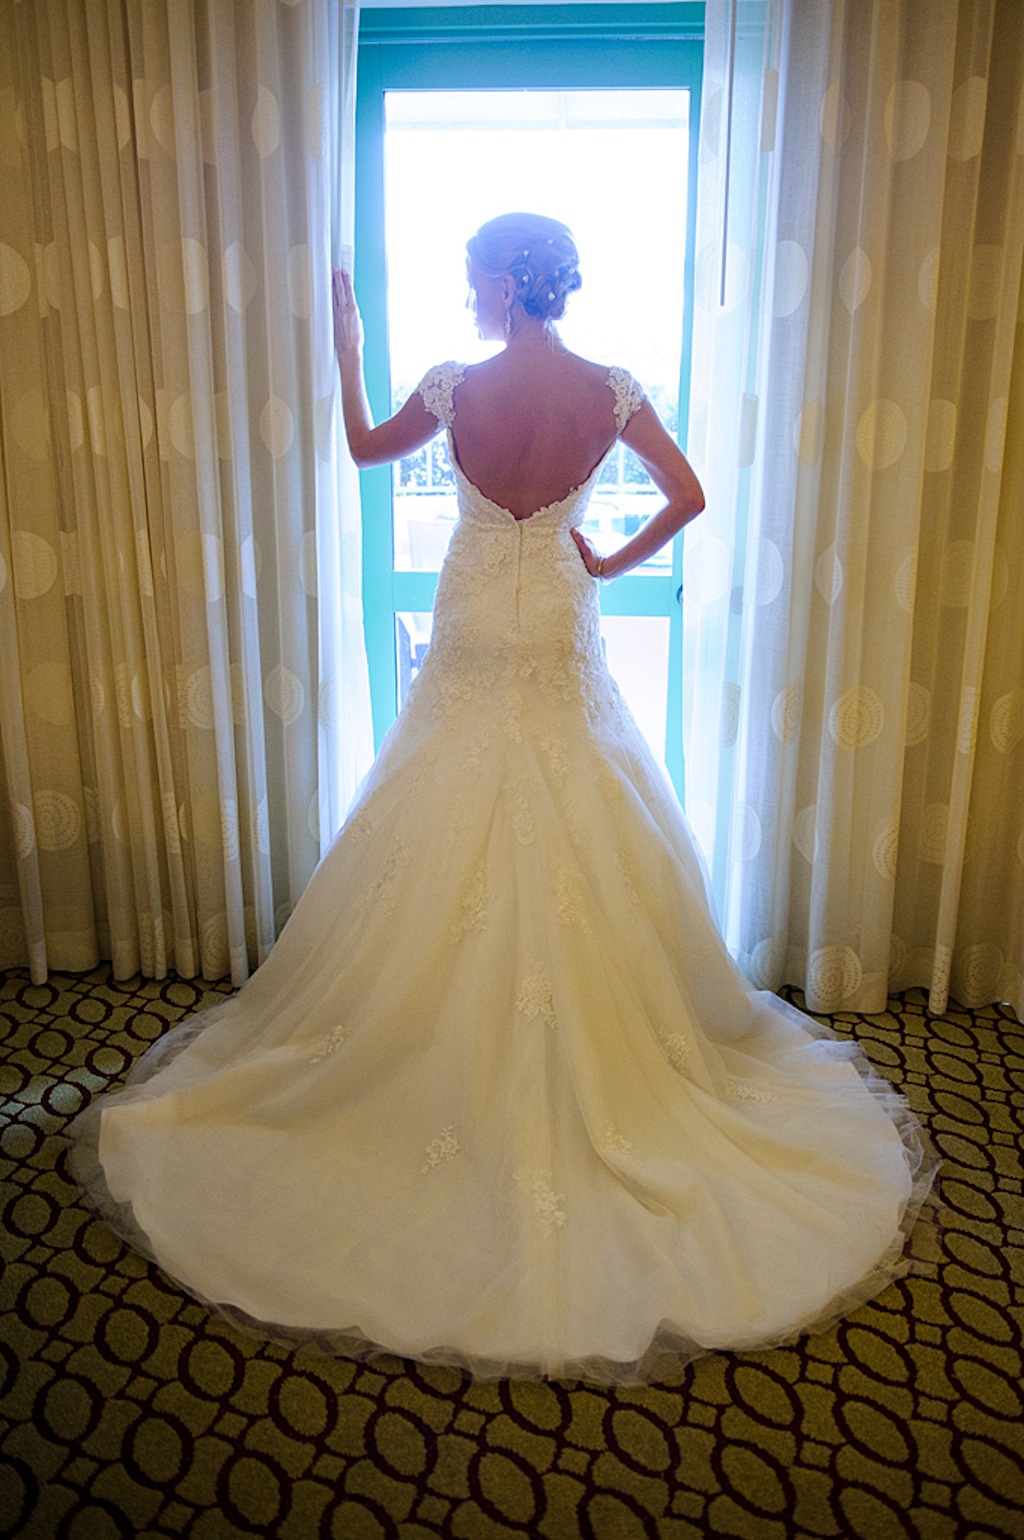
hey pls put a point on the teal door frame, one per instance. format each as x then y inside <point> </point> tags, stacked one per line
<point>502,47</point>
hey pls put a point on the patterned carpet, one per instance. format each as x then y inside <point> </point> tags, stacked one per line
<point>126,1411</point>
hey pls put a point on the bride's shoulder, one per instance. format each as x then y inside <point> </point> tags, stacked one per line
<point>437,374</point>
<point>627,392</point>
<point>613,376</point>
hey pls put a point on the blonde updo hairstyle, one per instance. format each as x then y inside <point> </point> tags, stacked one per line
<point>537,253</point>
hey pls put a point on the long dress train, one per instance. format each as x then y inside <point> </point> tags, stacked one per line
<point>499,1096</point>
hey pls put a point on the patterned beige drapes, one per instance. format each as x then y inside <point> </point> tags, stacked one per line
<point>855,593</point>
<point>173,747</point>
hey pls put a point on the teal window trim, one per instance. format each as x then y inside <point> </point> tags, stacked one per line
<point>678,21</point>
<point>481,47</point>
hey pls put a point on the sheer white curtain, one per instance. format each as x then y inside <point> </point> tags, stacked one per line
<point>855,594</point>
<point>180,734</point>
<point>346,736</point>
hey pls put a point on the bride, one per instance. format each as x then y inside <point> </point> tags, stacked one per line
<point>499,1097</point>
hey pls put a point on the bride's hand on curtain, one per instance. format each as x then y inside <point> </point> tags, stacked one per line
<point>410,427</point>
<point>348,325</point>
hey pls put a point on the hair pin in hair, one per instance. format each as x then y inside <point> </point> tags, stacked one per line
<point>551,294</point>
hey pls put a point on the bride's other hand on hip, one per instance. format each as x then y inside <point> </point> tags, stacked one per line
<point>674,478</point>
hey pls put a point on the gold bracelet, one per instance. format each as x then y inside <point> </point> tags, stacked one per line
<point>599,574</point>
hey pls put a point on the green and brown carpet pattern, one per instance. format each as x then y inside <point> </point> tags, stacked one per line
<point>127,1411</point>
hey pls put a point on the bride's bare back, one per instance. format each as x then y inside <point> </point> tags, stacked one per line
<point>531,424</point>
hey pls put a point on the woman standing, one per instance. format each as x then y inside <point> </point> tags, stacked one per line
<point>499,1097</point>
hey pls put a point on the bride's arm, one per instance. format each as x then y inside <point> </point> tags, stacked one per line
<point>400,435</point>
<point>672,474</point>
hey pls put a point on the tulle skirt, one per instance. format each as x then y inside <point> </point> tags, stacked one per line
<point>499,1097</point>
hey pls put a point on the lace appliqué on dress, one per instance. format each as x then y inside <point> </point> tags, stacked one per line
<point>742,1092</point>
<point>423,775</point>
<point>360,825</point>
<point>437,388</point>
<point>332,1042</point>
<point>476,898</point>
<point>569,899</point>
<point>535,998</point>
<point>546,1202</point>
<point>609,784</point>
<point>444,1147</point>
<point>676,1047</point>
<point>519,812</point>
<point>380,892</point>
<point>453,690</point>
<point>630,878</point>
<point>474,752</point>
<point>476,559</point>
<point>558,756</point>
<point>560,676</point>
<point>629,396</point>
<point>512,718</point>
<point>616,1142</point>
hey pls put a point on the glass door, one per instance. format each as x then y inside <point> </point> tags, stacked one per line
<point>606,147</point>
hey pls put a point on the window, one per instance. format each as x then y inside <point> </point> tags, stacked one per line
<point>593,119</point>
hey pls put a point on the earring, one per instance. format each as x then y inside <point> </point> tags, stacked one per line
<point>508,321</point>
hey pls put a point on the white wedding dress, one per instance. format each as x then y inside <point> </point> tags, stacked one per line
<point>499,1097</point>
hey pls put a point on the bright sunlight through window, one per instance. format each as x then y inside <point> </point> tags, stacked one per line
<point>612,164</point>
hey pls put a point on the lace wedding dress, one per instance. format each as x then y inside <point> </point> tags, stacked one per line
<point>499,1097</point>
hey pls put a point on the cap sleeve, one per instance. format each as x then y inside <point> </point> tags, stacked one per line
<point>437,389</point>
<point>629,396</point>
